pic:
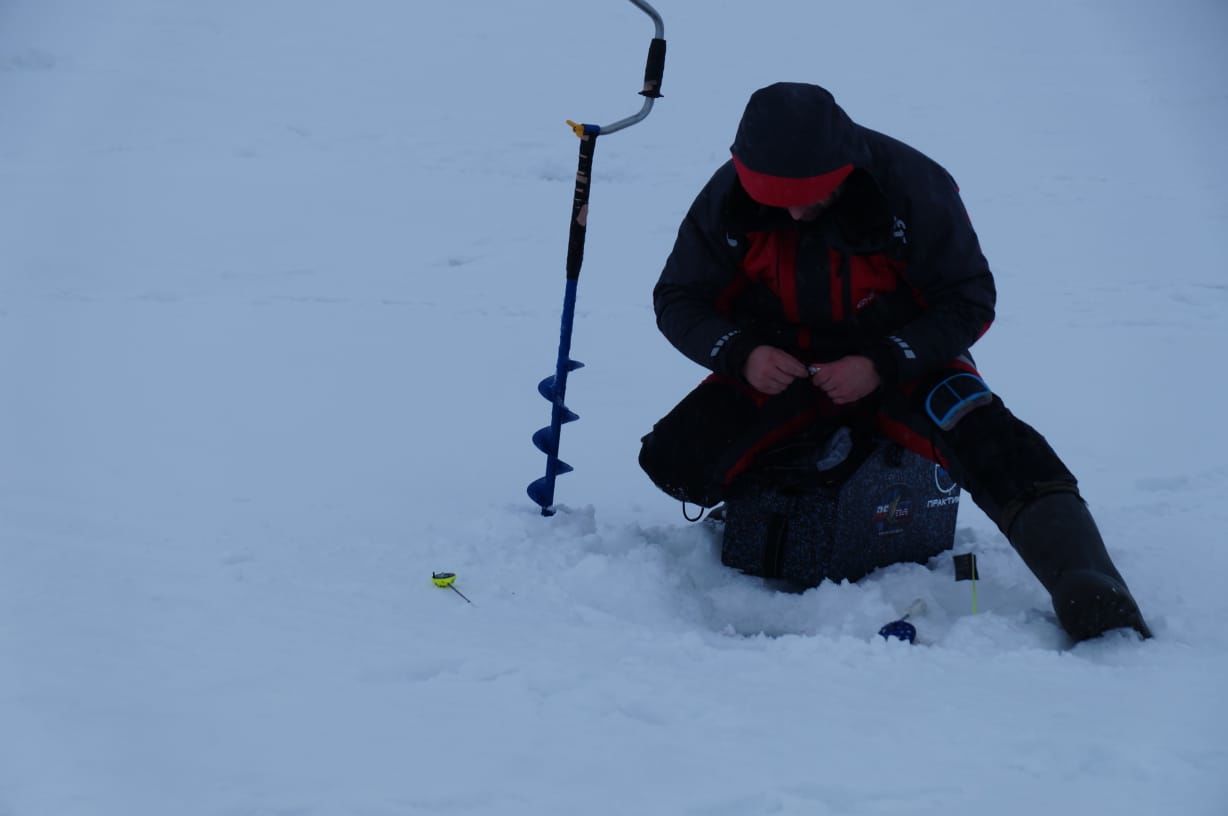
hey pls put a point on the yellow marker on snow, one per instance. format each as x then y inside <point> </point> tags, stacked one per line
<point>445,580</point>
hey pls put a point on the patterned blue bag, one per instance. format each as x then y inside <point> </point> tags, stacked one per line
<point>787,523</point>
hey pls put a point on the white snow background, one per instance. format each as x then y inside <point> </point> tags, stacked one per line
<point>277,283</point>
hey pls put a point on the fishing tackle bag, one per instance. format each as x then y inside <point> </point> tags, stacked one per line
<point>804,523</point>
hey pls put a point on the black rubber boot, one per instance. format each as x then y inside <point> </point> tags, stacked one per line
<point>1058,540</point>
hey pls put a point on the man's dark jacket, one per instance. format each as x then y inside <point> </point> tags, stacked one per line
<point>892,269</point>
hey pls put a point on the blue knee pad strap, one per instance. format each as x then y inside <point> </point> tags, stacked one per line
<point>954,397</point>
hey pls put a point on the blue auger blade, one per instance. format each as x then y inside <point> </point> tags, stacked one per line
<point>545,440</point>
<point>541,491</point>
<point>547,386</point>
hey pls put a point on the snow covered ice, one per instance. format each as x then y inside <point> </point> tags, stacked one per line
<point>278,281</point>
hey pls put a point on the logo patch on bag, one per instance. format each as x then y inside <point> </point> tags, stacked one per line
<point>893,511</point>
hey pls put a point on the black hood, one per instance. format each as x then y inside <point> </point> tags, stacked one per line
<point>794,138</point>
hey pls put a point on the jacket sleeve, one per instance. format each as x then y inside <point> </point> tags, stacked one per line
<point>950,277</point>
<point>701,268</point>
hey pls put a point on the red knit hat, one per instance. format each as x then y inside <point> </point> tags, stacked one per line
<point>783,191</point>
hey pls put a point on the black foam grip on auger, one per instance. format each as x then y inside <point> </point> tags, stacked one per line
<point>579,206</point>
<point>654,69</point>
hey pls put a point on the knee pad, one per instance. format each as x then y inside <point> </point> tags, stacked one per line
<point>954,397</point>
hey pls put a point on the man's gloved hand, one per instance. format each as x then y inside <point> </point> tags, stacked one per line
<point>770,370</point>
<point>847,379</point>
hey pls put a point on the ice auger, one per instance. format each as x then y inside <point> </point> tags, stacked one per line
<point>554,387</point>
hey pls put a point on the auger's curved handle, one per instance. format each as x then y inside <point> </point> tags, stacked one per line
<point>654,71</point>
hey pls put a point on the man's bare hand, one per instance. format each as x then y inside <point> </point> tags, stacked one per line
<point>770,370</point>
<point>847,379</point>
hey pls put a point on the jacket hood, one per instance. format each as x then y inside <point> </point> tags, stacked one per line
<point>795,145</point>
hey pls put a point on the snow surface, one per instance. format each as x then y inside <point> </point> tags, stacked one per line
<point>278,281</point>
